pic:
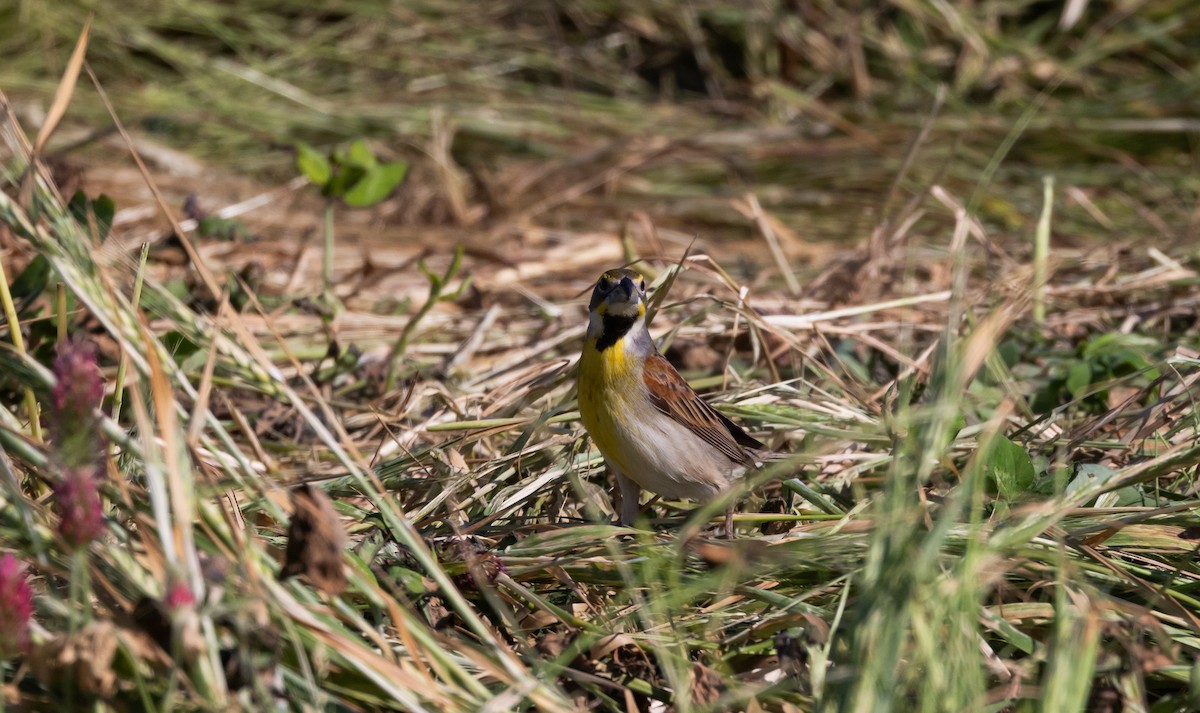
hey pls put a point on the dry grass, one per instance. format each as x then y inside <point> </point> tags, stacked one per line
<point>987,500</point>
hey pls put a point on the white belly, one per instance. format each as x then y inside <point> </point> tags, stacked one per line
<point>666,458</point>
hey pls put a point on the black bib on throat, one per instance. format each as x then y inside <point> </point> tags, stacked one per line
<point>615,327</point>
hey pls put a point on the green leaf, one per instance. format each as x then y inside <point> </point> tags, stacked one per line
<point>1010,352</point>
<point>178,288</point>
<point>410,580</point>
<point>32,280</point>
<point>313,164</point>
<point>377,184</point>
<point>212,226</point>
<point>179,345</point>
<point>78,207</point>
<point>104,208</point>
<point>1079,378</point>
<point>84,210</point>
<point>1089,475</point>
<point>359,154</point>
<point>1008,632</point>
<point>1130,496</point>
<point>1009,468</point>
<point>344,179</point>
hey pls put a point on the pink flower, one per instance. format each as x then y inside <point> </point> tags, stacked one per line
<point>80,386</point>
<point>178,596</point>
<point>78,391</point>
<point>16,601</point>
<point>77,501</point>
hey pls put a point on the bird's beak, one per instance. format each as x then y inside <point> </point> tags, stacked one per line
<point>622,299</point>
<point>627,287</point>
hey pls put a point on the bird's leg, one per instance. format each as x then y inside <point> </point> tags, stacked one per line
<point>729,523</point>
<point>631,493</point>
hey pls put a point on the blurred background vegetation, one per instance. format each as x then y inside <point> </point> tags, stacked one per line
<point>810,105</point>
<point>388,215</point>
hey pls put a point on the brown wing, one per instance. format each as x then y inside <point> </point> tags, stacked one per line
<point>671,394</point>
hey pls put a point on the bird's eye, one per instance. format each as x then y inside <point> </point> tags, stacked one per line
<point>642,286</point>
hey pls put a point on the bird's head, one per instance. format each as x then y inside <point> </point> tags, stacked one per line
<point>617,309</point>
<point>619,293</point>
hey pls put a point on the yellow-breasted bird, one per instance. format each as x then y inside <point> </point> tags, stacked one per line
<point>653,429</point>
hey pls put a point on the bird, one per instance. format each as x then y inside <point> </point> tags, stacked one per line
<point>653,429</point>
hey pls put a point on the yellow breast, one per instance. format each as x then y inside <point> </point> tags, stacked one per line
<point>610,393</point>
